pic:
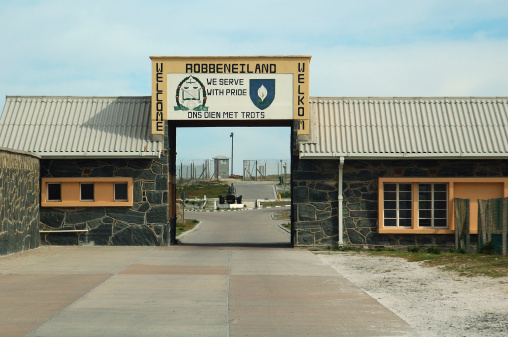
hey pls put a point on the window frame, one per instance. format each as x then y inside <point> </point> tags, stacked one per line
<point>104,192</point>
<point>432,205</point>
<point>452,194</point>
<point>415,228</point>
<point>398,209</point>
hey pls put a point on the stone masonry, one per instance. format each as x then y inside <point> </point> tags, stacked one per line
<point>145,223</point>
<point>315,197</point>
<point>19,202</point>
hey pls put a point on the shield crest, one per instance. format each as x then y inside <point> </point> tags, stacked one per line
<point>262,92</point>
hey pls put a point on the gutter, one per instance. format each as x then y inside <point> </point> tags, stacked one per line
<point>340,201</point>
<point>92,155</point>
<point>395,156</point>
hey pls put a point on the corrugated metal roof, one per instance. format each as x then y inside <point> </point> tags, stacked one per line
<point>422,127</point>
<point>58,127</point>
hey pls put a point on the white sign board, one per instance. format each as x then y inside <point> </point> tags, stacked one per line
<point>205,96</point>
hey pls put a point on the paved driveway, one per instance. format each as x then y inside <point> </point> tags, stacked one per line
<point>183,291</point>
<point>252,190</point>
<point>222,288</point>
<point>238,228</point>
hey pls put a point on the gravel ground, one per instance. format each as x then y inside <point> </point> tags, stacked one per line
<point>435,302</point>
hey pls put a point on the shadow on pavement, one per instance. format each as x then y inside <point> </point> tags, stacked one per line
<point>236,245</point>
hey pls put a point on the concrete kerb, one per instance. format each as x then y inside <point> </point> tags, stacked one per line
<point>189,231</point>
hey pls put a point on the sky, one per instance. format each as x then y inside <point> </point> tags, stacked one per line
<point>358,48</point>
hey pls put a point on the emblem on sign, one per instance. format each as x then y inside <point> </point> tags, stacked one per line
<point>191,95</point>
<point>262,92</point>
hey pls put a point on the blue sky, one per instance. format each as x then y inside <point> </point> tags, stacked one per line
<point>358,48</point>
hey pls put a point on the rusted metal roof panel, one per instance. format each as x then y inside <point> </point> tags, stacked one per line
<point>59,127</point>
<point>421,127</point>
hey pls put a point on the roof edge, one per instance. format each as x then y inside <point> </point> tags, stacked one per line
<point>390,156</point>
<point>5,149</point>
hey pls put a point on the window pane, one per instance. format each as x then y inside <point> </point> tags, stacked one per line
<point>440,204</point>
<point>424,187</point>
<point>440,187</point>
<point>54,192</point>
<point>390,195</point>
<point>406,213</point>
<point>390,204</point>
<point>405,187</point>
<point>425,222</point>
<point>405,196</point>
<point>440,214</point>
<point>440,223</point>
<point>390,214</point>
<point>425,213</point>
<point>425,204</point>
<point>390,222</point>
<point>405,204</point>
<point>390,187</point>
<point>87,192</point>
<point>405,222</point>
<point>121,191</point>
<point>440,196</point>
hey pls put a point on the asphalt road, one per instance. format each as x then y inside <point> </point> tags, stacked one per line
<point>237,228</point>
<point>252,190</point>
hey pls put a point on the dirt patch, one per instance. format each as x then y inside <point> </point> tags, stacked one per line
<point>436,302</point>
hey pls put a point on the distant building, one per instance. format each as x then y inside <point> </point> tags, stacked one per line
<point>221,167</point>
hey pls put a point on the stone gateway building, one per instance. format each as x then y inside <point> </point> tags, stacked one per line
<point>365,171</point>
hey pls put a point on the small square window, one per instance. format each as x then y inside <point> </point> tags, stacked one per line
<point>121,192</point>
<point>87,192</point>
<point>54,192</point>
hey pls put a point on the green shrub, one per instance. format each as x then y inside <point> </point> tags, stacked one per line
<point>413,249</point>
<point>487,248</point>
<point>433,250</point>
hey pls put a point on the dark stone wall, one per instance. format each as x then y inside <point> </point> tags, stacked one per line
<point>315,189</point>
<point>315,202</point>
<point>145,223</point>
<point>19,202</point>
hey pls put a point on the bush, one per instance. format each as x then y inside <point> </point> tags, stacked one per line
<point>487,248</point>
<point>433,250</point>
<point>458,251</point>
<point>413,249</point>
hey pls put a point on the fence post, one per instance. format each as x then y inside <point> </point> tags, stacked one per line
<point>462,232</point>
<point>504,224</point>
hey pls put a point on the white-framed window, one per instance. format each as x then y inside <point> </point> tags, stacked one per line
<point>414,205</point>
<point>398,201</point>
<point>433,205</point>
<point>432,202</point>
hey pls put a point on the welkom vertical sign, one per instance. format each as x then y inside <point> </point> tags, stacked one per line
<point>230,88</point>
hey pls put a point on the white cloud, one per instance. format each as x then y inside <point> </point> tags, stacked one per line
<point>359,48</point>
<point>477,68</point>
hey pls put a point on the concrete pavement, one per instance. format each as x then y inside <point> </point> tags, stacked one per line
<point>252,190</point>
<point>183,291</point>
<point>238,228</point>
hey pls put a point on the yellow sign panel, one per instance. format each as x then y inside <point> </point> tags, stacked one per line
<point>230,88</point>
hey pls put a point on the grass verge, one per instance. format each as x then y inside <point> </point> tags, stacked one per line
<point>211,190</point>
<point>187,226</point>
<point>465,264</point>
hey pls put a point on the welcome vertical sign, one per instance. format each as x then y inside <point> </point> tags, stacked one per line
<point>217,89</point>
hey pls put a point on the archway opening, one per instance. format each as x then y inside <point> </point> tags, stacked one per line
<point>236,182</point>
